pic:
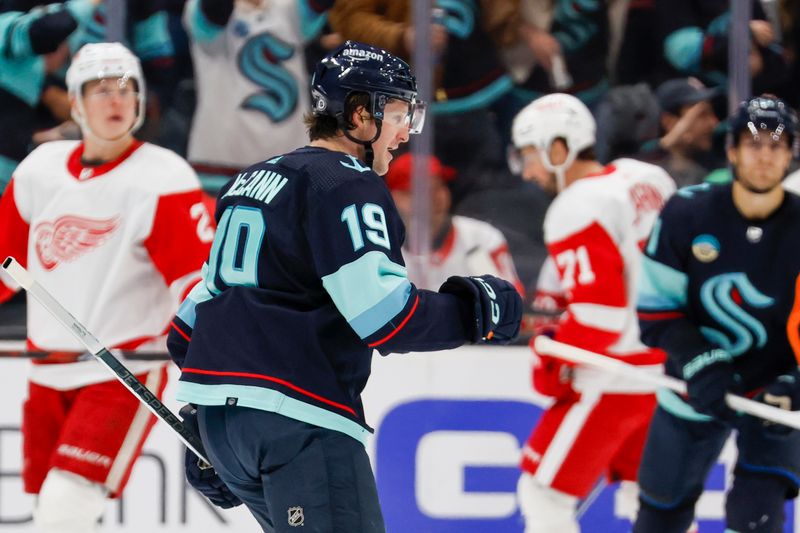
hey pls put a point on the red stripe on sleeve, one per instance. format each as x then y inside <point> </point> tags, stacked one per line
<point>13,236</point>
<point>181,236</point>
<point>398,328</point>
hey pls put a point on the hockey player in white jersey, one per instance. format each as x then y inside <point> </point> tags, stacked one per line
<point>116,230</point>
<point>594,230</point>
<point>251,81</point>
<point>460,245</point>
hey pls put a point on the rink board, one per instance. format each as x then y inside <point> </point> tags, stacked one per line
<point>449,429</point>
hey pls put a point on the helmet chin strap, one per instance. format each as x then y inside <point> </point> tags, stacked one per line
<point>369,153</point>
<point>559,170</point>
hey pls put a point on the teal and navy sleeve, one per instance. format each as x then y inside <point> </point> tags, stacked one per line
<point>180,331</point>
<point>313,16</point>
<point>205,20</point>
<point>356,234</point>
<point>665,318</point>
<point>690,45</point>
<point>25,37</point>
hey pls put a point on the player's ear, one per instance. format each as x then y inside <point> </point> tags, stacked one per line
<point>360,117</point>
<point>732,155</point>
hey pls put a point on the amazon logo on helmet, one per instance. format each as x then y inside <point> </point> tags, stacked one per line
<point>358,67</point>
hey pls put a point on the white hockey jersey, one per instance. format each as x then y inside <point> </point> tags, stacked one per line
<point>252,86</point>
<point>117,245</point>
<point>595,231</point>
<point>471,248</point>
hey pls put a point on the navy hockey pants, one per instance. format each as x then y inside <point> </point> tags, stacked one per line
<point>679,454</point>
<point>290,473</point>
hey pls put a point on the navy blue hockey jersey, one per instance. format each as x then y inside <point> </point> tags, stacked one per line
<point>713,280</point>
<point>305,278</point>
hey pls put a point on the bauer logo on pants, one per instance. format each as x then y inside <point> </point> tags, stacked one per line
<point>296,518</point>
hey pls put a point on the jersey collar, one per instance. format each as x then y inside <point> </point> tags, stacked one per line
<point>82,173</point>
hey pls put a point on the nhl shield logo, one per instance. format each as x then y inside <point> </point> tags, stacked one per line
<point>296,518</point>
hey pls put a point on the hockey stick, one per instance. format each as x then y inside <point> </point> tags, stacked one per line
<point>137,388</point>
<point>546,346</point>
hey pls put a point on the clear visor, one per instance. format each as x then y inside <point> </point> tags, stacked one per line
<point>411,115</point>
<point>416,117</point>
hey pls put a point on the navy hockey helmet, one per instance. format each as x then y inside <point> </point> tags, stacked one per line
<point>357,67</point>
<point>767,114</point>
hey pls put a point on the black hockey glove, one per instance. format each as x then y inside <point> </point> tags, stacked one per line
<point>497,306</point>
<point>783,393</point>
<point>203,477</point>
<point>708,377</point>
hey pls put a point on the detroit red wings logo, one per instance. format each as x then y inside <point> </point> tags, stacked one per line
<point>69,237</point>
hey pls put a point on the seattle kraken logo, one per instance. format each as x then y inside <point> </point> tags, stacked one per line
<point>742,330</point>
<point>259,61</point>
<point>355,165</point>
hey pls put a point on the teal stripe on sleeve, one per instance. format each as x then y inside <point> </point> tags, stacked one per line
<point>311,22</point>
<point>202,29</point>
<point>661,287</point>
<point>684,47</point>
<point>7,166</point>
<point>476,100</point>
<point>367,283</point>
<point>272,401</point>
<point>151,37</point>
<point>24,78</point>
<point>197,295</point>
<point>81,10</point>
<point>381,313</point>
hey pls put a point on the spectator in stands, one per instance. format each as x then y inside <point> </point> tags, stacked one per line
<point>694,36</point>
<point>472,86</point>
<point>687,122</point>
<point>460,245</point>
<point>570,47</point>
<point>250,77</point>
<point>32,49</point>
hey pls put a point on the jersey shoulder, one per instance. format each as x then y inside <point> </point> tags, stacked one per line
<point>645,172</point>
<point>697,201</point>
<point>326,171</point>
<point>596,200</point>
<point>163,171</point>
<point>45,158</point>
<point>478,232</point>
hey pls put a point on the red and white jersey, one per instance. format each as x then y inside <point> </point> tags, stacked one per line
<point>252,84</point>
<point>471,248</point>
<point>595,231</point>
<point>118,245</point>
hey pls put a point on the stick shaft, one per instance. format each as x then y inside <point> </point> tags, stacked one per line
<point>573,354</point>
<point>120,371</point>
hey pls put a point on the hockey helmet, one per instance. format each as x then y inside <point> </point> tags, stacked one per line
<point>765,113</point>
<point>97,61</point>
<point>551,117</point>
<point>358,67</point>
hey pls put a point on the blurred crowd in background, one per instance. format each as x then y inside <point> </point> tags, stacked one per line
<point>227,83</point>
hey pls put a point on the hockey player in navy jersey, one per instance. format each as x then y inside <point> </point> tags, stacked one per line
<point>305,279</point>
<point>719,286</point>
